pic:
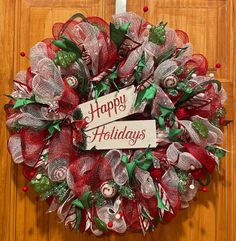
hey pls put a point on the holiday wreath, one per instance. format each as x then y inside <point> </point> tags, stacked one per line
<point>116,126</point>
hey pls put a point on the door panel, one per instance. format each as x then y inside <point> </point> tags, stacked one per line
<point>210,26</point>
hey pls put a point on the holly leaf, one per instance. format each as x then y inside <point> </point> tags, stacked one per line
<point>83,202</point>
<point>72,46</point>
<point>55,126</point>
<point>200,128</point>
<point>78,218</point>
<point>23,101</point>
<point>113,77</point>
<point>118,33</point>
<point>217,151</point>
<point>140,66</point>
<point>173,133</point>
<point>100,224</point>
<point>146,94</point>
<point>99,88</point>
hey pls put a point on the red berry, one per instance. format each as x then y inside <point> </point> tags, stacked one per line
<point>218,66</point>
<point>32,174</point>
<point>121,214</point>
<point>110,224</point>
<point>204,189</point>
<point>181,113</point>
<point>145,9</point>
<point>22,54</point>
<point>24,188</point>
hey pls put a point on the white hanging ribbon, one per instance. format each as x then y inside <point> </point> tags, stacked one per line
<point>120,6</point>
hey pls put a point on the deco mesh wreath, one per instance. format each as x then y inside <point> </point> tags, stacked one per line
<point>127,189</point>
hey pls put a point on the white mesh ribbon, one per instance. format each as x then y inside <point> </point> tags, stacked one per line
<point>47,84</point>
<point>180,158</point>
<point>24,119</point>
<point>65,207</point>
<point>161,99</point>
<point>109,213</point>
<point>215,135</point>
<point>119,171</point>
<point>165,69</point>
<point>189,194</point>
<point>14,146</point>
<point>37,53</point>
<point>146,181</point>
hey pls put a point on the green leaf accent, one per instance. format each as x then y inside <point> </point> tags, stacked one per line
<point>60,44</point>
<point>143,161</point>
<point>78,218</point>
<point>100,224</point>
<point>52,128</point>
<point>146,94</point>
<point>72,46</point>
<point>160,203</point>
<point>77,114</point>
<point>83,202</point>
<point>173,133</point>
<point>113,77</point>
<point>118,33</point>
<point>99,88</point>
<point>24,101</point>
<point>217,151</point>
<point>140,66</point>
<point>158,34</point>
<point>200,128</point>
<point>65,59</point>
<point>164,113</point>
<point>78,203</point>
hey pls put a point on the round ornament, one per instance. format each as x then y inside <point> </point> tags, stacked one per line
<point>117,126</point>
<point>107,190</point>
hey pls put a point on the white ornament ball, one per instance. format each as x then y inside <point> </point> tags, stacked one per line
<point>38,176</point>
<point>170,81</point>
<point>118,216</point>
<point>72,81</point>
<point>192,186</point>
<point>107,190</point>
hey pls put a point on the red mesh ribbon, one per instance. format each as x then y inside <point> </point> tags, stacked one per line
<point>89,171</point>
<point>206,109</point>
<point>182,38</point>
<point>131,213</point>
<point>201,155</point>
<point>61,145</point>
<point>150,204</point>
<point>33,143</point>
<point>69,100</point>
<point>199,62</point>
<point>51,48</point>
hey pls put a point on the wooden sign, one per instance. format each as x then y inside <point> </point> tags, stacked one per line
<point>123,135</point>
<point>110,107</point>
